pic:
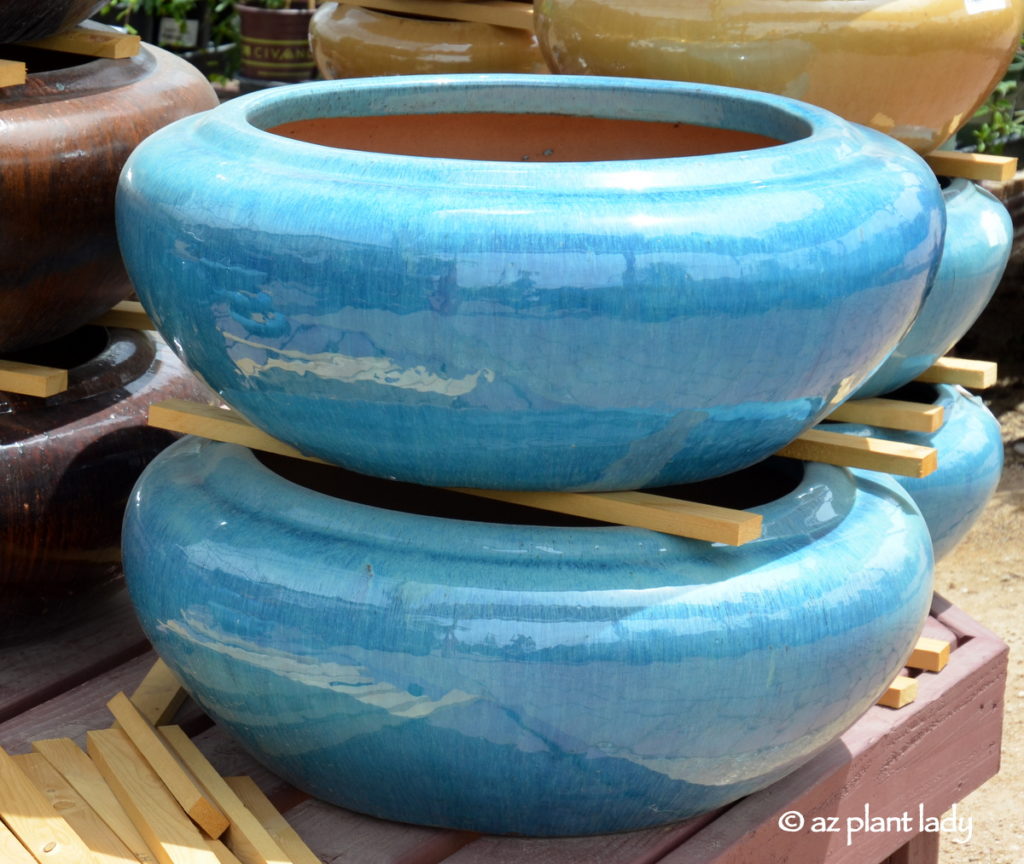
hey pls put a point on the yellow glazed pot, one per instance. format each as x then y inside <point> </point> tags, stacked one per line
<point>351,42</point>
<point>915,69</point>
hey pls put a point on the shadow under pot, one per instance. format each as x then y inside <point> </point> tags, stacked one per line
<point>529,281</point>
<point>66,135</point>
<point>352,42</point>
<point>35,19</point>
<point>436,659</point>
<point>68,463</point>
<point>977,245</point>
<point>970,450</point>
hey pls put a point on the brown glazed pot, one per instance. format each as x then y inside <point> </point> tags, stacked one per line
<point>34,19</point>
<point>66,134</point>
<point>68,464</point>
<point>275,43</point>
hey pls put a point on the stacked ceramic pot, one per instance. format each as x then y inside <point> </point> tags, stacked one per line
<point>70,459</point>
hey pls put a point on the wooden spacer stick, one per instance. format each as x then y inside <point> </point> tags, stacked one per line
<point>12,73</point>
<point>871,454</point>
<point>159,695</point>
<point>639,509</point>
<point>31,380</point>
<point>128,314</point>
<point>11,850</point>
<point>972,166</point>
<point>932,655</point>
<point>277,826</point>
<point>902,691</point>
<point>500,13</point>
<point>193,800</point>
<point>890,414</point>
<point>976,374</point>
<point>92,40</point>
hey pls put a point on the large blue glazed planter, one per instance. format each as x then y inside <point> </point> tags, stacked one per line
<point>510,677</point>
<point>979,237</point>
<point>970,460</point>
<point>546,282</point>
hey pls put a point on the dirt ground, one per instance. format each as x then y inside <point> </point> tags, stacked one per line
<point>984,576</point>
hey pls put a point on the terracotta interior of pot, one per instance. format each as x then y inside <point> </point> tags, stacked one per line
<point>39,60</point>
<point>69,351</point>
<point>497,137</point>
<point>752,487</point>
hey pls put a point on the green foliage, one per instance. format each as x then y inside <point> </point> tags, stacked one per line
<point>999,119</point>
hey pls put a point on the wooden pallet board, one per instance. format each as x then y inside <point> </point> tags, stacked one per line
<point>91,40</point>
<point>971,166</point>
<point>890,414</point>
<point>973,374</point>
<point>12,73</point>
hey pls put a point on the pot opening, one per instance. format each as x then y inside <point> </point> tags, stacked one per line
<point>506,137</point>
<point>38,60</point>
<point>768,481</point>
<point>67,352</point>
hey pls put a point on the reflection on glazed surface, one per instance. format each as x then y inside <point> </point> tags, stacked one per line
<point>914,69</point>
<point>517,678</point>
<point>585,325</point>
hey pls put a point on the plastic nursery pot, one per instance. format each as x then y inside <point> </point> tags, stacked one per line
<point>512,676</point>
<point>352,42</point>
<point>979,237</point>
<point>970,460</point>
<point>34,19</point>
<point>66,135</point>
<point>534,282</point>
<point>69,462</point>
<point>275,43</point>
<point>916,71</point>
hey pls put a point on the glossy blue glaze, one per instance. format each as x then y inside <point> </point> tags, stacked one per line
<point>511,678</point>
<point>544,325</point>
<point>970,450</point>
<point>979,235</point>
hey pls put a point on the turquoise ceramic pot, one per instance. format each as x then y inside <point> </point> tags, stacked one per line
<point>509,677</point>
<point>970,460</point>
<point>480,313</point>
<point>979,236</point>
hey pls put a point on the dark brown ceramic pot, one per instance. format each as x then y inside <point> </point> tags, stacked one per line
<point>66,135</point>
<point>34,19</point>
<point>68,464</point>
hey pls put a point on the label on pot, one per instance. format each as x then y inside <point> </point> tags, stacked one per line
<point>180,34</point>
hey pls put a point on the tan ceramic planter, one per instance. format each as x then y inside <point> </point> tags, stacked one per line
<point>915,69</point>
<point>350,42</point>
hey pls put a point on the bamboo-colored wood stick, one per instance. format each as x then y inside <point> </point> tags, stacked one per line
<point>92,40</point>
<point>12,73</point>
<point>128,314</point>
<point>931,655</point>
<point>890,414</point>
<point>872,454</point>
<point>193,800</point>
<point>972,166</point>
<point>246,837</point>
<point>159,695</point>
<point>975,374</point>
<point>85,778</point>
<point>500,13</point>
<point>262,808</point>
<point>35,822</point>
<point>31,380</point>
<point>902,691</point>
<point>169,833</point>
<point>11,850</point>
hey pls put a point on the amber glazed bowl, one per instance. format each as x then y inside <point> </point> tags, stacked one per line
<point>914,69</point>
<point>66,133</point>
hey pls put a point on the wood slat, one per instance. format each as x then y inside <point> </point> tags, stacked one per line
<point>931,655</point>
<point>286,837</point>
<point>91,40</point>
<point>890,414</point>
<point>902,691</point>
<point>12,73</point>
<point>500,13</point>
<point>11,850</point>
<point>159,695</point>
<point>29,379</point>
<point>975,374</point>
<point>128,314</point>
<point>972,166</point>
<point>871,454</point>
<point>193,800</point>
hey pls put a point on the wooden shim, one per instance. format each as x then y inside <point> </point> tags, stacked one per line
<point>104,844</point>
<point>128,314</point>
<point>976,374</point>
<point>178,781</point>
<point>931,655</point>
<point>169,833</point>
<point>500,13</point>
<point>35,821</point>
<point>12,73</point>
<point>277,826</point>
<point>85,778</point>
<point>11,850</point>
<point>890,414</point>
<point>91,40</point>
<point>246,837</point>
<point>972,166</point>
<point>871,454</point>
<point>159,695</point>
<point>221,852</point>
<point>902,691</point>
<point>31,380</point>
